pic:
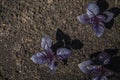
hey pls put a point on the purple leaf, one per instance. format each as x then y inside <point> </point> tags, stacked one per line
<point>98,29</point>
<point>83,66</point>
<point>104,57</point>
<point>106,61</point>
<point>52,66</point>
<point>63,53</point>
<point>50,53</point>
<point>39,58</point>
<point>84,19</point>
<point>109,16</point>
<point>104,78</point>
<point>101,18</point>
<point>100,78</point>
<point>93,67</point>
<point>46,42</point>
<point>92,9</point>
<point>97,78</point>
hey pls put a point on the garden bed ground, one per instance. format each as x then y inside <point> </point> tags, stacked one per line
<point>24,22</point>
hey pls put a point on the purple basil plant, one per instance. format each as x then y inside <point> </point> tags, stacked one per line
<point>98,71</point>
<point>95,18</point>
<point>48,56</point>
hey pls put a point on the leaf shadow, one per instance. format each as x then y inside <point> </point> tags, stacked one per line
<point>111,52</point>
<point>115,78</point>
<point>64,40</point>
<point>103,6</point>
<point>114,62</point>
<point>116,12</point>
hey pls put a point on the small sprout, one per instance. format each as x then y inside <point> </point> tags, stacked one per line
<point>99,72</point>
<point>95,19</point>
<point>48,56</point>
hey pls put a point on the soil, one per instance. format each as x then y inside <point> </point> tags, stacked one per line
<point>24,22</point>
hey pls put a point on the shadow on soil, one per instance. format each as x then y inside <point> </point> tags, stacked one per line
<point>114,63</point>
<point>103,6</point>
<point>63,40</point>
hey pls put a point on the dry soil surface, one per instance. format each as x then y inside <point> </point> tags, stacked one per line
<point>24,22</point>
